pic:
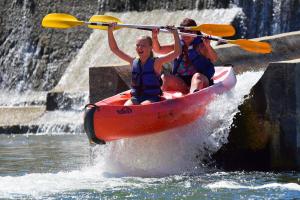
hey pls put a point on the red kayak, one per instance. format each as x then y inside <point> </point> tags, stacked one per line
<point>109,120</point>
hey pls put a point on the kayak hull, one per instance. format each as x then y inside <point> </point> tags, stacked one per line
<point>109,120</point>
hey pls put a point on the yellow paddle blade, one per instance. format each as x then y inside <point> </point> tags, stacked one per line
<point>253,46</point>
<point>221,30</point>
<point>60,20</point>
<point>103,19</point>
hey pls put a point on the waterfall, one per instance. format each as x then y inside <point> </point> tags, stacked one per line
<point>269,17</point>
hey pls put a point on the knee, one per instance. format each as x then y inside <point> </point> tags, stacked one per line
<point>128,103</point>
<point>167,79</point>
<point>164,78</point>
<point>197,76</point>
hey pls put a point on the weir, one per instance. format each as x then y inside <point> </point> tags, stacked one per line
<point>96,73</point>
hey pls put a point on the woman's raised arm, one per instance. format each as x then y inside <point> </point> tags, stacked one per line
<point>171,56</point>
<point>114,47</point>
<point>157,48</point>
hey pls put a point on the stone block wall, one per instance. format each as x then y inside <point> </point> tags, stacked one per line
<point>107,81</point>
<point>265,134</point>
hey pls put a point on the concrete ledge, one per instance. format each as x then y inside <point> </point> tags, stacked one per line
<point>20,115</point>
<point>22,120</point>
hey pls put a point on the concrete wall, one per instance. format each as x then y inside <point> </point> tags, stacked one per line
<point>266,134</point>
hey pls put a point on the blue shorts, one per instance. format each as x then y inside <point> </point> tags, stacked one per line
<point>140,99</point>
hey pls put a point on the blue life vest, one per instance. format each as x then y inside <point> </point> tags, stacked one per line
<point>144,81</point>
<point>202,64</point>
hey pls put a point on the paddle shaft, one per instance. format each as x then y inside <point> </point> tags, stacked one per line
<point>162,29</point>
<point>151,27</point>
<point>143,27</point>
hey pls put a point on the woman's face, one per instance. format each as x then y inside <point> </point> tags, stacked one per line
<point>187,39</point>
<point>143,48</point>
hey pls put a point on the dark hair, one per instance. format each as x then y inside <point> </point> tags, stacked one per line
<point>188,22</point>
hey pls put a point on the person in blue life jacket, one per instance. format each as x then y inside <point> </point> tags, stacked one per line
<point>146,69</point>
<point>193,69</point>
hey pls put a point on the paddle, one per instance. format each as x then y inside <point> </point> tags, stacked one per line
<point>248,45</point>
<point>61,20</point>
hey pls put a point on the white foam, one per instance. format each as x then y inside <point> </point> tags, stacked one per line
<point>235,185</point>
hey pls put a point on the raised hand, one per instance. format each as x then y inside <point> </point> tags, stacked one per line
<point>112,26</point>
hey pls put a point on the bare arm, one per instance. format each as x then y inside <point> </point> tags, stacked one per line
<point>171,56</point>
<point>208,51</point>
<point>156,45</point>
<point>114,47</point>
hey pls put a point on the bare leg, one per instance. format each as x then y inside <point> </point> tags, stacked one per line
<point>146,102</point>
<point>173,83</point>
<point>199,81</point>
<point>128,103</point>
